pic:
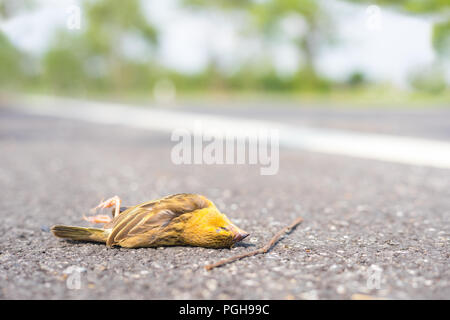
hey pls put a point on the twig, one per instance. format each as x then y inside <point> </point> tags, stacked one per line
<point>263,249</point>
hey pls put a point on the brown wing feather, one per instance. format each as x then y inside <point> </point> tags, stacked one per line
<point>159,213</point>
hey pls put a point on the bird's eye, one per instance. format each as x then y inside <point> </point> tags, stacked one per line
<point>221,229</point>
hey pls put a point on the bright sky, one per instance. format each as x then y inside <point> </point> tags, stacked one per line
<point>386,47</point>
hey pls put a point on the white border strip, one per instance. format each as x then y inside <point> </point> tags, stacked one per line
<point>406,150</point>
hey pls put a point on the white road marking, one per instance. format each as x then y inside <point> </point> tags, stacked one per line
<point>406,150</point>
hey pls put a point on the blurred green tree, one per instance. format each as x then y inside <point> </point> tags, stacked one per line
<point>10,59</point>
<point>441,39</point>
<point>430,78</point>
<point>98,52</point>
<point>310,26</point>
<point>413,6</point>
<point>109,22</point>
<point>438,10</point>
<point>356,79</point>
<point>63,65</point>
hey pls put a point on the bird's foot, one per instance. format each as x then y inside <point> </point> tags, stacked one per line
<point>111,202</point>
<point>101,218</point>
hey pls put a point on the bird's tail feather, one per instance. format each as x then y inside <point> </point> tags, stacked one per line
<point>80,233</point>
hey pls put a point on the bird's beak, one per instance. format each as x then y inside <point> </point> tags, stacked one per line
<point>238,234</point>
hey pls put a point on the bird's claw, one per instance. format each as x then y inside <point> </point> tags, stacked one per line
<point>111,202</point>
<point>101,218</point>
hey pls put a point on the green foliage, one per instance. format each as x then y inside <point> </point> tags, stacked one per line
<point>413,6</point>
<point>441,39</point>
<point>10,59</point>
<point>356,79</point>
<point>429,80</point>
<point>108,20</point>
<point>223,4</point>
<point>93,59</point>
<point>267,15</point>
<point>63,70</point>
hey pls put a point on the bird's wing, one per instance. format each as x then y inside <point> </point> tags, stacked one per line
<point>153,215</point>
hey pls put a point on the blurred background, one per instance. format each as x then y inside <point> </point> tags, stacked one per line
<point>359,91</point>
<point>364,52</point>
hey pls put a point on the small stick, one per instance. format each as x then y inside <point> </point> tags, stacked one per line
<point>263,249</point>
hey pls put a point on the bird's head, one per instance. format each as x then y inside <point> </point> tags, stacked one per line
<point>211,228</point>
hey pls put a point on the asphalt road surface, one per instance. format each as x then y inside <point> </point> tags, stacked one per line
<point>431,123</point>
<point>370,227</point>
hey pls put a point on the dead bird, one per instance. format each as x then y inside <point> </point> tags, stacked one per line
<point>181,219</point>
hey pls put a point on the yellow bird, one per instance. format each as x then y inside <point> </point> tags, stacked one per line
<point>181,219</point>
